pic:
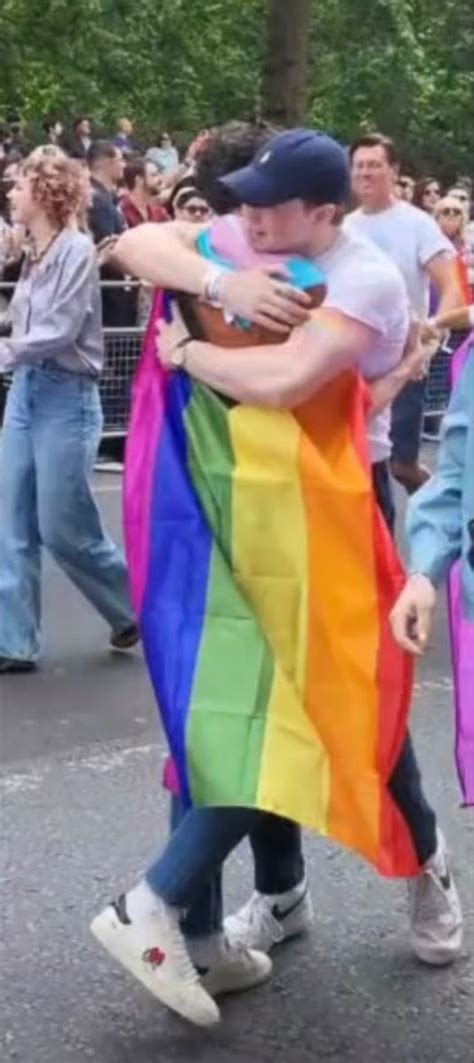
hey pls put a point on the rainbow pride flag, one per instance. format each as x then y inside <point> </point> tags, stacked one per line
<point>263,575</point>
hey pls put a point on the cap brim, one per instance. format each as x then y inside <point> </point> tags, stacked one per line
<point>253,187</point>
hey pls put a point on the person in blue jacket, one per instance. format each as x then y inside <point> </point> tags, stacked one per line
<point>440,521</point>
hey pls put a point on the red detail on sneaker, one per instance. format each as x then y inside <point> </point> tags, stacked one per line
<point>155,957</point>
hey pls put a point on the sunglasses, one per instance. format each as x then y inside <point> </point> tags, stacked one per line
<point>451,212</point>
<point>196,212</point>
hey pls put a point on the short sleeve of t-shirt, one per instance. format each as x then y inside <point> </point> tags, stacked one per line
<point>430,240</point>
<point>372,302</point>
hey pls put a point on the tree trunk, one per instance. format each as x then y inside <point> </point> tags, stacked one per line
<point>286,66</point>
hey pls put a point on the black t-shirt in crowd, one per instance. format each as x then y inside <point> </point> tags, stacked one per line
<point>119,305</point>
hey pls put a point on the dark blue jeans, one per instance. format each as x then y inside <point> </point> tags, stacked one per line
<point>407,422</point>
<point>189,873</point>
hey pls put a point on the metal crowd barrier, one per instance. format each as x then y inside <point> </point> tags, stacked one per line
<point>122,351</point>
<point>438,388</point>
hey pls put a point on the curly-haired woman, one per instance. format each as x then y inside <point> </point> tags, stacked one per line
<point>53,417</point>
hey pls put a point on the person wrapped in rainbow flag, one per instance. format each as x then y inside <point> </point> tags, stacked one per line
<point>263,571</point>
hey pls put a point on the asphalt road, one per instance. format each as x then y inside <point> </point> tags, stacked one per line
<point>81,812</point>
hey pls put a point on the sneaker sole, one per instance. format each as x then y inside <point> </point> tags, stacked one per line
<point>236,982</point>
<point>19,668</point>
<point>122,647</point>
<point>433,957</point>
<point>106,930</point>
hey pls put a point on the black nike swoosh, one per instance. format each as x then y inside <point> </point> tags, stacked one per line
<point>120,907</point>
<point>277,914</point>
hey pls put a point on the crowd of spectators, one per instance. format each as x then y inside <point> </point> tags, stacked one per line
<point>130,182</point>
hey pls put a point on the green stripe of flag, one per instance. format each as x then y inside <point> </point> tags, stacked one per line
<point>234,672</point>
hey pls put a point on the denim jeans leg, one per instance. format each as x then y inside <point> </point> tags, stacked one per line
<point>405,788</point>
<point>278,854</point>
<point>20,551</point>
<point>407,422</point>
<point>196,851</point>
<point>384,493</point>
<point>67,428</point>
<point>405,783</point>
<point>206,915</point>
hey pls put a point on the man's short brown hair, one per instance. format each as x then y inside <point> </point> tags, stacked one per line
<point>376,140</point>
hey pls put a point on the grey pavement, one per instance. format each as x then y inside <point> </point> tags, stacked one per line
<point>82,810</point>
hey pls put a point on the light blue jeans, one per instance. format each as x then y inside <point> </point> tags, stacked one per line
<point>48,445</point>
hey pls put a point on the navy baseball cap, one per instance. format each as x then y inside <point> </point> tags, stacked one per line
<point>296,164</point>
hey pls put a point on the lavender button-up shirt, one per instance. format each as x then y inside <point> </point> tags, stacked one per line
<point>56,311</point>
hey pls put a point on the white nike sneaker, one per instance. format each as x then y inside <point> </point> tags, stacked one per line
<point>435,911</point>
<point>268,919</point>
<point>153,949</point>
<point>229,968</point>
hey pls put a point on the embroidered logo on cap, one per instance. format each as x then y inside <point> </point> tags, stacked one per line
<point>265,158</point>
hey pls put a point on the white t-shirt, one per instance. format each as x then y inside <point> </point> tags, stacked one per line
<point>411,238</point>
<point>364,284</point>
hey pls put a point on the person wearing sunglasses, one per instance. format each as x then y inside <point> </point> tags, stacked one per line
<point>451,218</point>
<point>427,194</point>
<point>186,203</point>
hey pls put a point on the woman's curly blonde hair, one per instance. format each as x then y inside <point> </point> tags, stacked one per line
<point>59,184</point>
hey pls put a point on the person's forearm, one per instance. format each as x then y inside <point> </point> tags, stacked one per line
<point>275,376</point>
<point>460,318</point>
<point>45,340</point>
<point>158,254</point>
<point>434,531</point>
<point>256,376</point>
<point>385,389</point>
<point>451,297</point>
<point>58,324</point>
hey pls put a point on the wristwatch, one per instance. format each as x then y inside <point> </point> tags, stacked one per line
<point>178,357</point>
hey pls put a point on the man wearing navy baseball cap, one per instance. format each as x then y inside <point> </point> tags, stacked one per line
<point>290,201</point>
<point>296,164</point>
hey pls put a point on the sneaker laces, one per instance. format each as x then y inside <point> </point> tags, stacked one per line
<point>235,948</point>
<point>258,914</point>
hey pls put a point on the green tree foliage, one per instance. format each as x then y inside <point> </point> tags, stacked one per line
<point>404,66</point>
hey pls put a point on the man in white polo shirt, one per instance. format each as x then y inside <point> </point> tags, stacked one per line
<point>414,241</point>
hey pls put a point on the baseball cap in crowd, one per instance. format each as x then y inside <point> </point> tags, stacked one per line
<point>295,164</point>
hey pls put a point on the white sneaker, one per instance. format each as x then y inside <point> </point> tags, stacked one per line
<point>435,911</point>
<point>229,968</point>
<point>153,949</point>
<point>268,919</point>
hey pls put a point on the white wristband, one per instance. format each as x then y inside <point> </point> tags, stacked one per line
<point>211,288</point>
